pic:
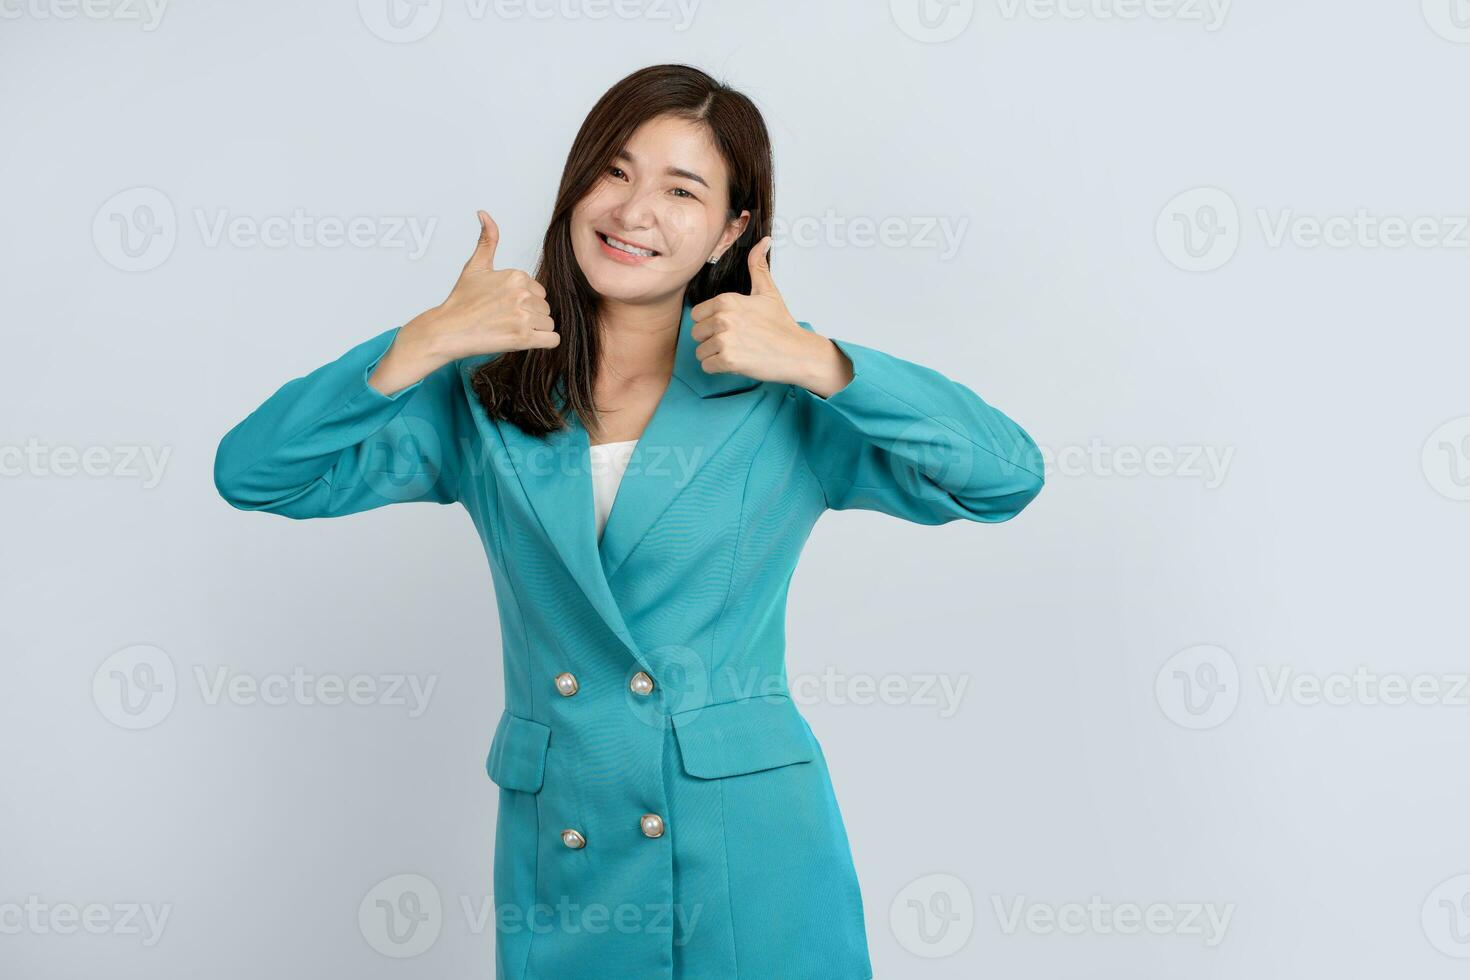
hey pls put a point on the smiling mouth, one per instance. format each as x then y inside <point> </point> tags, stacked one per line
<point>628,247</point>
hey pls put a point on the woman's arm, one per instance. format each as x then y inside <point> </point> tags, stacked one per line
<point>387,422</point>
<point>905,440</point>
<point>330,443</point>
<point>878,432</point>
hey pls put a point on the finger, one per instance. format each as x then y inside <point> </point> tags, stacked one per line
<point>711,326</point>
<point>536,305</point>
<point>484,254</point>
<point>715,304</point>
<point>709,351</point>
<point>761,282</point>
<point>543,339</point>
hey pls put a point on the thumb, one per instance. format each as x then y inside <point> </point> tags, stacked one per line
<point>761,283</point>
<point>484,254</point>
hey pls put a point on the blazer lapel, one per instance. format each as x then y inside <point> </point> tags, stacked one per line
<point>689,425</point>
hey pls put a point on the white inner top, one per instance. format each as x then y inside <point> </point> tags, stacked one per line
<point>609,461</point>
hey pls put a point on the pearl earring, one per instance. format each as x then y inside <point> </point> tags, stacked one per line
<point>713,259</point>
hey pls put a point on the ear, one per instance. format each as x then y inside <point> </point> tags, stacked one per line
<point>734,228</point>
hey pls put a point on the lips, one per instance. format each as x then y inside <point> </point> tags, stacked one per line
<point>613,241</point>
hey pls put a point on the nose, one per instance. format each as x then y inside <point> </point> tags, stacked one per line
<point>635,211</point>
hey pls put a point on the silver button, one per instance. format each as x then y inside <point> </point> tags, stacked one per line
<point>572,839</point>
<point>641,684</point>
<point>652,825</point>
<point>566,684</point>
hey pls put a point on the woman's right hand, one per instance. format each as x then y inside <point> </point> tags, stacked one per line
<point>489,311</point>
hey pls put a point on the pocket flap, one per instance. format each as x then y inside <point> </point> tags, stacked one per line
<point>518,753</point>
<point>742,736</point>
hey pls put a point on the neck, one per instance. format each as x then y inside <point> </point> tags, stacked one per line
<point>639,340</point>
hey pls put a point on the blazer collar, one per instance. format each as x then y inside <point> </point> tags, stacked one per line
<point>688,370</point>
<point>690,424</point>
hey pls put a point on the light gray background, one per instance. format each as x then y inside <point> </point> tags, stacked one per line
<point>1082,759</point>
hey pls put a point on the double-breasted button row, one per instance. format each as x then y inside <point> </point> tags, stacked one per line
<point>640,684</point>
<point>651,824</point>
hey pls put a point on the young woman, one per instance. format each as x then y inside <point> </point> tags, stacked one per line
<point>665,810</point>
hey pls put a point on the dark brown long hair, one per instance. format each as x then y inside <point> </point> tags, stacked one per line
<point>522,386</point>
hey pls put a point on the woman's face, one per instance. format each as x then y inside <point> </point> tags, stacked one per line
<point>666,192</point>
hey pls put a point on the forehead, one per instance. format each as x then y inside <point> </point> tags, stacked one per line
<point>666,141</point>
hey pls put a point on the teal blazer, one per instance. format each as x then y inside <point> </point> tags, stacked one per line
<point>664,808</point>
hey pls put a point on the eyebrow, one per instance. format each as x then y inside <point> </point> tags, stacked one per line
<point>672,171</point>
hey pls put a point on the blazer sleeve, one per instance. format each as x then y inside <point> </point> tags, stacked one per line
<point>905,440</point>
<point>329,444</point>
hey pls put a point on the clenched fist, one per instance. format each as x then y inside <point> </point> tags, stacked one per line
<point>488,311</point>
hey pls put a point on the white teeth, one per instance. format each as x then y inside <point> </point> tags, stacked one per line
<point>624,247</point>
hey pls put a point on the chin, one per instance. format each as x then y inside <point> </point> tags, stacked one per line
<point>616,284</point>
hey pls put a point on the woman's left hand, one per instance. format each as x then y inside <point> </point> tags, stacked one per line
<point>756,336</point>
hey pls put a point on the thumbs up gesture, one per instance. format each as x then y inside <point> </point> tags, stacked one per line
<point>489,311</point>
<point>756,336</point>
<point>492,310</point>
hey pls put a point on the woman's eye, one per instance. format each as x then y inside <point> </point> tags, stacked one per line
<point>615,172</point>
<point>680,190</point>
